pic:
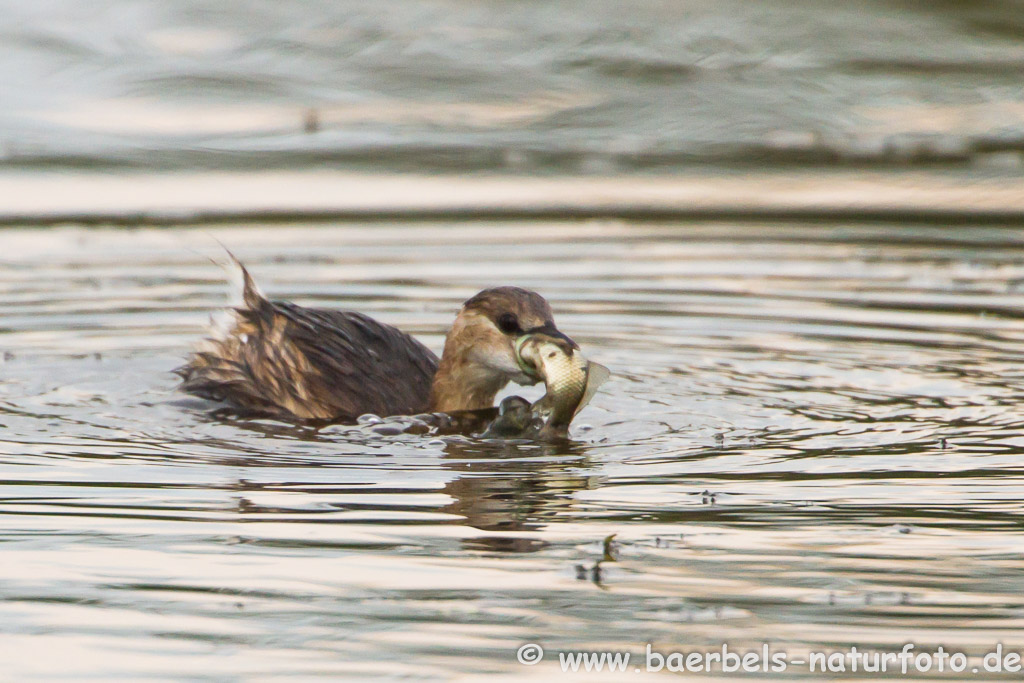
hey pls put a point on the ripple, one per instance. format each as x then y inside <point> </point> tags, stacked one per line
<point>809,432</point>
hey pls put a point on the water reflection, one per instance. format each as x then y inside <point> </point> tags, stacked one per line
<point>502,485</point>
<point>511,487</point>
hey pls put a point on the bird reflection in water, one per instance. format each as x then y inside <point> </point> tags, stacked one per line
<point>517,492</point>
<point>511,488</point>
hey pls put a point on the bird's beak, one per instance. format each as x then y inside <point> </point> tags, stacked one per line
<point>548,333</point>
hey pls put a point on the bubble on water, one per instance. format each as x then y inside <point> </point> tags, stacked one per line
<point>369,419</point>
<point>388,430</point>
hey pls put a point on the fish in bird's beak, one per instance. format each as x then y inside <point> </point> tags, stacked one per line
<point>538,335</point>
<point>570,379</point>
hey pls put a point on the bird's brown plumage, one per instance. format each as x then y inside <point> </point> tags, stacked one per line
<point>287,361</point>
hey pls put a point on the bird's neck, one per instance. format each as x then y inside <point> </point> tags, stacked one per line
<point>461,384</point>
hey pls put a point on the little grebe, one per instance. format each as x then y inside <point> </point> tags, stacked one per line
<point>281,360</point>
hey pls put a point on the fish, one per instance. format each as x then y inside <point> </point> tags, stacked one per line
<point>570,380</point>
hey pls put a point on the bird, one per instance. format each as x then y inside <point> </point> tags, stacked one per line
<point>280,360</point>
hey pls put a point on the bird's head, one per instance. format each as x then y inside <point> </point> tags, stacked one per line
<point>480,351</point>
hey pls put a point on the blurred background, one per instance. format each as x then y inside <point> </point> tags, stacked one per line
<point>587,87</point>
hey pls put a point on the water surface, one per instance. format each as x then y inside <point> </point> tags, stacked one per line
<point>573,86</point>
<point>813,438</point>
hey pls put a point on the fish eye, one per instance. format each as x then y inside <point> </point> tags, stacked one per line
<point>508,323</point>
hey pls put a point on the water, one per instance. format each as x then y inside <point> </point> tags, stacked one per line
<point>575,86</point>
<point>813,438</point>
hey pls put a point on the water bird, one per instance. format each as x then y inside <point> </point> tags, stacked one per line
<point>277,359</point>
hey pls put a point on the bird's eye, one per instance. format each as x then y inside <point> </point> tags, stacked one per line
<point>508,323</point>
